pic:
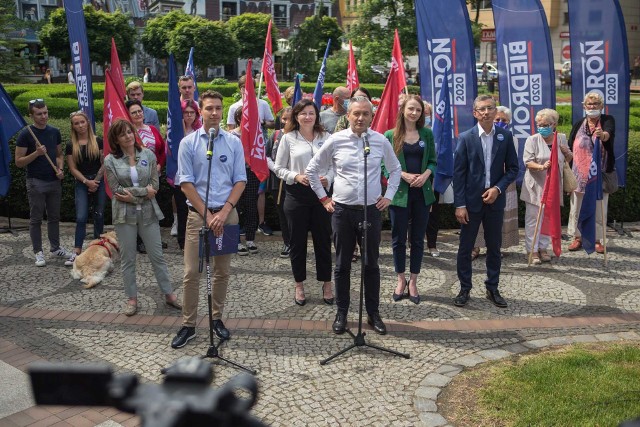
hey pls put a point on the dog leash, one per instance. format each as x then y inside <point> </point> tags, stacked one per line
<point>103,242</point>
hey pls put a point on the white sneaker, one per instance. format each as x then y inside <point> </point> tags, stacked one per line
<point>40,262</point>
<point>72,258</point>
<point>61,252</point>
<point>174,228</point>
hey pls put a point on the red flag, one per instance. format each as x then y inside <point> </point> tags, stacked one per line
<point>113,109</point>
<point>551,201</point>
<point>252,137</point>
<point>387,112</point>
<point>116,71</point>
<point>352,72</point>
<point>269,73</point>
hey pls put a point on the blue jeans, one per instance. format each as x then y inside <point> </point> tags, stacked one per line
<point>82,211</point>
<point>418,213</point>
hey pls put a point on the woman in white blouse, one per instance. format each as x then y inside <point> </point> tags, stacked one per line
<point>537,159</point>
<point>304,135</point>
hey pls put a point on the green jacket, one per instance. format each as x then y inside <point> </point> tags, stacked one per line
<point>429,161</point>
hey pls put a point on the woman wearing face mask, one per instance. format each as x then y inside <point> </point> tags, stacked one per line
<point>581,140</point>
<point>510,234</point>
<point>537,159</point>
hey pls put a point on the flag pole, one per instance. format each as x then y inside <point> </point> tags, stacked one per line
<point>535,234</point>
<point>279,192</point>
<point>604,232</point>
<point>38,144</point>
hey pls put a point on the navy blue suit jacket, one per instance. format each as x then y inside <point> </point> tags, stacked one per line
<point>469,169</point>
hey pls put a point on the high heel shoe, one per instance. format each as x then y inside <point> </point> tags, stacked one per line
<point>328,301</point>
<point>397,297</point>
<point>302,301</point>
<point>413,299</point>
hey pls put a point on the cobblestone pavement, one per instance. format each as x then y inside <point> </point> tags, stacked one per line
<point>46,315</point>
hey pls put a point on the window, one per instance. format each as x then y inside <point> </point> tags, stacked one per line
<point>229,9</point>
<point>484,4</point>
<point>565,21</point>
<point>280,15</point>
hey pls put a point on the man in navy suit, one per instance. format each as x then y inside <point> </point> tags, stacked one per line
<point>485,164</point>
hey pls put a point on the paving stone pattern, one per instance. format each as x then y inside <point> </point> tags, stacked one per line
<point>49,316</point>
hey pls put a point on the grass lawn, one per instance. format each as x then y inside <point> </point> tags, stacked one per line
<point>581,385</point>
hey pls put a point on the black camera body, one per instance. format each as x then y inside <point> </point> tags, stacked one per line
<point>185,398</point>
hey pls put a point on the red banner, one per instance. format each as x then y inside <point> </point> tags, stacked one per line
<point>352,72</point>
<point>551,202</point>
<point>116,71</point>
<point>269,73</point>
<point>387,112</point>
<point>252,136</point>
<point>113,109</point>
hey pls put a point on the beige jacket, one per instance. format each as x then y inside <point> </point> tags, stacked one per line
<point>536,150</point>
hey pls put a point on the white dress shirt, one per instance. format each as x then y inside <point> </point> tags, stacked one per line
<point>487,147</point>
<point>344,153</point>
<point>295,153</point>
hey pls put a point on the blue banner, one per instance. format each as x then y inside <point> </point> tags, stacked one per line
<point>592,193</point>
<point>80,56</point>
<point>525,66</point>
<point>445,45</point>
<point>318,91</point>
<point>175,129</point>
<point>600,63</point>
<point>297,91</point>
<point>443,139</point>
<point>11,122</point>
<point>191,71</point>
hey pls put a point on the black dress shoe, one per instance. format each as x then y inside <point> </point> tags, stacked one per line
<point>462,299</point>
<point>340,324</point>
<point>397,297</point>
<point>378,325</point>
<point>220,330</point>
<point>496,298</point>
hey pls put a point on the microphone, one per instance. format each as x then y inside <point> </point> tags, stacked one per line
<point>365,140</point>
<point>212,135</point>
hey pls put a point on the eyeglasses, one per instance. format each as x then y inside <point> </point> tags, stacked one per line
<point>36,101</point>
<point>188,113</point>
<point>483,109</point>
<point>135,112</point>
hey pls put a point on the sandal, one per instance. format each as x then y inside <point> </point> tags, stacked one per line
<point>475,253</point>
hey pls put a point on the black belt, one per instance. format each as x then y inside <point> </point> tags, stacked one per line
<point>351,207</point>
<point>212,210</point>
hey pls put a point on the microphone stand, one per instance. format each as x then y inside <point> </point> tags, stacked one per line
<point>358,339</point>
<point>205,247</point>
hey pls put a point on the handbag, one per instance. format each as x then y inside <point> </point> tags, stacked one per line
<point>610,182</point>
<point>569,182</point>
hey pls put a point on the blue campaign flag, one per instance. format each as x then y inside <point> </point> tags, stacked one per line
<point>318,92</point>
<point>592,193</point>
<point>297,92</point>
<point>191,71</point>
<point>11,122</point>
<point>445,44</point>
<point>175,129</point>
<point>442,134</point>
<point>600,63</point>
<point>80,56</point>
<point>525,66</point>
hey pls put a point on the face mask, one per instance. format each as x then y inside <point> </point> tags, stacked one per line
<point>593,113</point>
<point>427,121</point>
<point>502,125</point>
<point>345,104</point>
<point>545,131</point>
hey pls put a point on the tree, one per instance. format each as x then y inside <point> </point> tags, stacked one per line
<point>12,65</point>
<point>155,37</point>
<point>101,27</point>
<point>308,46</point>
<point>377,21</point>
<point>213,42</point>
<point>250,30</point>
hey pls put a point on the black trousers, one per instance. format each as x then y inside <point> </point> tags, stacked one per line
<point>433,225</point>
<point>305,213</point>
<point>346,232</point>
<point>284,225</point>
<point>183,213</point>
<point>248,206</point>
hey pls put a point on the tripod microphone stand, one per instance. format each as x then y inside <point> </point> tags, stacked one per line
<point>205,247</point>
<point>358,339</point>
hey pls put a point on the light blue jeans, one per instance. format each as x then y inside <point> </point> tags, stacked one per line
<point>150,235</point>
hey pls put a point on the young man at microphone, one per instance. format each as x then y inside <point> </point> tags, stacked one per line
<point>345,152</point>
<point>228,179</point>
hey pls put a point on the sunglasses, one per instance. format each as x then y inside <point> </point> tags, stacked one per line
<point>75,113</point>
<point>36,101</point>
